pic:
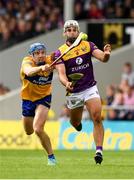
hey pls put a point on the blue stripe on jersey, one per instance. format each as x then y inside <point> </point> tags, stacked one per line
<point>40,80</point>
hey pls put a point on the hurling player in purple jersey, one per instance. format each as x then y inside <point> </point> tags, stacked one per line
<point>84,91</point>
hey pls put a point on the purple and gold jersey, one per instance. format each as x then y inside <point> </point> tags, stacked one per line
<point>78,60</point>
<point>37,86</point>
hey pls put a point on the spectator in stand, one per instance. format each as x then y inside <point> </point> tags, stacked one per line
<point>128,74</point>
<point>115,113</point>
<point>129,102</point>
<point>54,20</point>
<point>79,12</point>
<point>127,5</point>
<point>22,33</point>
<point>132,13</point>
<point>5,39</point>
<point>94,11</point>
<point>119,12</point>
<point>123,85</point>
<point>110,92</point>
<point>39,29</point>
<point>109,12</point>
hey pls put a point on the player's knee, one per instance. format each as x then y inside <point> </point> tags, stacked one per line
<point>37,130</point>
<point>96,117</point>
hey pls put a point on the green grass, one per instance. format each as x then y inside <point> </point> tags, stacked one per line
<point>31,164</point>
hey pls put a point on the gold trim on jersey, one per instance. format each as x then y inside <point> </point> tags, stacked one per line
<point>81,49</point>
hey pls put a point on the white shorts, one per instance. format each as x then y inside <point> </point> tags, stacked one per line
<point>75,100</point>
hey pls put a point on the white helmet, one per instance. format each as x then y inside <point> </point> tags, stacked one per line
<point>70,23</point>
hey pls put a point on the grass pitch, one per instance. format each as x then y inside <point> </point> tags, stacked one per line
<point>72,164</point>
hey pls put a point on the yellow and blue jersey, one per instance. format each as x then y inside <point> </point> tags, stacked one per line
<point>37,86</point>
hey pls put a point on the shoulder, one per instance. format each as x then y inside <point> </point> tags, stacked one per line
<point>48,59</point>
<point>63,47</point>
<point>60,50</point>
<point>27,60</point>
<point>88,46</point>
<point>57,53</point>
<point>92,46</point>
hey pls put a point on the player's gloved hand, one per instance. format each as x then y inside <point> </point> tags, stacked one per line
<point>107,49</point>
<point>69,86</point>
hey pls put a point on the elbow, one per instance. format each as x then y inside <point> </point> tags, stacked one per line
<point>105,59</point>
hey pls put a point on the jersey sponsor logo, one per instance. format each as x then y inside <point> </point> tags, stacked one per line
<point>81,67</point>
<point>40,80</point>
<point>79,60</point>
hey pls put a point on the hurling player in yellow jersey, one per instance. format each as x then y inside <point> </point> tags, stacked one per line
<point>36,75</point>
<point>77,66</point>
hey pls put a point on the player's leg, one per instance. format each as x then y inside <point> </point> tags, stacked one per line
<point>75,103</point>
<point>94,107</point>
<point>27,116</point>
<point>75,118</point>
<point>28,125</point>
<point>38,126</point>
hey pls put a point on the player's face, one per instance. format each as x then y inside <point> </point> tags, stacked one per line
<point>71,33</point>
<point>39,55</point>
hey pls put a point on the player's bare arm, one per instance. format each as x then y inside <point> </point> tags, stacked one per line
<point>30,71</point>
<point>103,55</point>
<point>63,78</point>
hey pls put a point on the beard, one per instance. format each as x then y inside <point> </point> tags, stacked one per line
<point>71,39</point>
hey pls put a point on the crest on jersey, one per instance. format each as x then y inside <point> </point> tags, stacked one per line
<point>79,60</point>
<point>84,49</point>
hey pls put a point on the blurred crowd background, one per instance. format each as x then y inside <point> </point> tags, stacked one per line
<point>21,20</point>
<point>103,9</point>
<point>24,19</point>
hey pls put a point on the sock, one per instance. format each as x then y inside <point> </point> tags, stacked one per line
<point>99,149</point>
<point>51,156</point>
